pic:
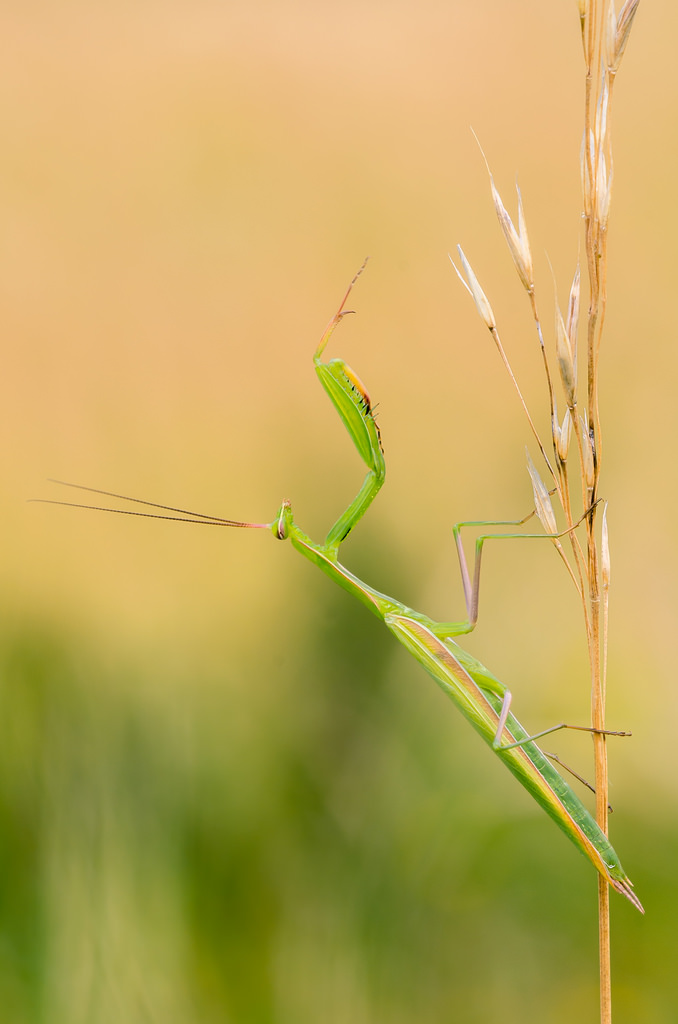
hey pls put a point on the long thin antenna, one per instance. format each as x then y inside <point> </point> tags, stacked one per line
<point>185,516</point>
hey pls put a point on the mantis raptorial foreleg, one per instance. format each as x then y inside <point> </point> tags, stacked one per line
<point>352,401</point>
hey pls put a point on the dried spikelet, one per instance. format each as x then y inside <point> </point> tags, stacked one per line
<point>601,113</point>
<point>476,292</point>
<point>604,200</point>
<point>522,225</point>
<point>584,170</point>
<point>610,32</point>
<point>603,192</point>
<point>565,360</point>
<point>542,499</point>
<point>572,322</point>
<point>583,8</point>
<point>624,24</point>
<point>517,241</point>
<point>605,552</point>
<point>562,436</point>
<point>587,455</point>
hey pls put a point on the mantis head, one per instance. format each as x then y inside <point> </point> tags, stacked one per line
<point>283,521</point>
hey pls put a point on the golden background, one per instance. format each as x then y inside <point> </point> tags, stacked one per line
<point>224,794</point>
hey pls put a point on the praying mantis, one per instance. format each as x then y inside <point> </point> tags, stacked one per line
<point>482,699</point>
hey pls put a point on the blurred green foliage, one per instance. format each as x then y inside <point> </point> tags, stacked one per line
<point>352,859</point>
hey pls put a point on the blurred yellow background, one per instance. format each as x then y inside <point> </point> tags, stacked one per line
<point>224,794</point>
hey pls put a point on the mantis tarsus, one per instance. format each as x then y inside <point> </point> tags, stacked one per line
<point>482,699</point>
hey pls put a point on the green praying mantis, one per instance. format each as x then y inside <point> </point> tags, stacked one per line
<point>482,699</point>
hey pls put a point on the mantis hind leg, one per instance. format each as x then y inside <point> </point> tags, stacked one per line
<point>472,586</point>
<point>505,708</point>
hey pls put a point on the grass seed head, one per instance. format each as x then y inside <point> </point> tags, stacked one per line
<point>623,25</point>
<point>542,499</point>
<point>563,434</point>
<point>572,322</point>
<point>517,241</point>
<point>565,360</point>
<point>476,292</point>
